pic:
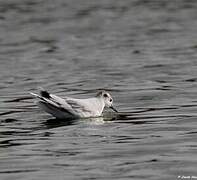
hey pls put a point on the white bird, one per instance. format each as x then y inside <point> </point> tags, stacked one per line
<point>74,108</point>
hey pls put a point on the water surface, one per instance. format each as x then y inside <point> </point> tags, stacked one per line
<point>143,52</point>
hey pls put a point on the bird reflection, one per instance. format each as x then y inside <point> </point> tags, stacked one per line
<point>54,122</point>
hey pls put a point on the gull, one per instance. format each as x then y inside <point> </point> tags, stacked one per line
<point>72,107</point>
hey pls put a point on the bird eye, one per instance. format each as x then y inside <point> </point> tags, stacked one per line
<point>110,100</point>
<point>105,95</point>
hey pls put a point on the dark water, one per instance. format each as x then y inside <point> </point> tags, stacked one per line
<point>143,51</point>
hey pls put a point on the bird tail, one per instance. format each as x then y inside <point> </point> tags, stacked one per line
<point>50,105</point>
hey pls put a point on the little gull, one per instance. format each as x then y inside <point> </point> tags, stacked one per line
<point>74,108</point>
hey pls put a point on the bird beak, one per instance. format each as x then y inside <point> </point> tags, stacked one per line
<point>113,108</point>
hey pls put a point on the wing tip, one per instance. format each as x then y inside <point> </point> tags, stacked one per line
<point>42,93</point>
<point>33,94</point>
<point>45,94</point>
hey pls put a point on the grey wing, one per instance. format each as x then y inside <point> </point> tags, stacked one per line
<point>78,106</point>
<point>52,103</point>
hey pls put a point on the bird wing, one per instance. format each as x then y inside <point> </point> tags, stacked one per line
<point>69,105</point>
<point>78,105</point>
<point>74,105</point>
<point>54,101</point>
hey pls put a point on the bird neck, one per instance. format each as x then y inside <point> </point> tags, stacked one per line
<point>102,105</point>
